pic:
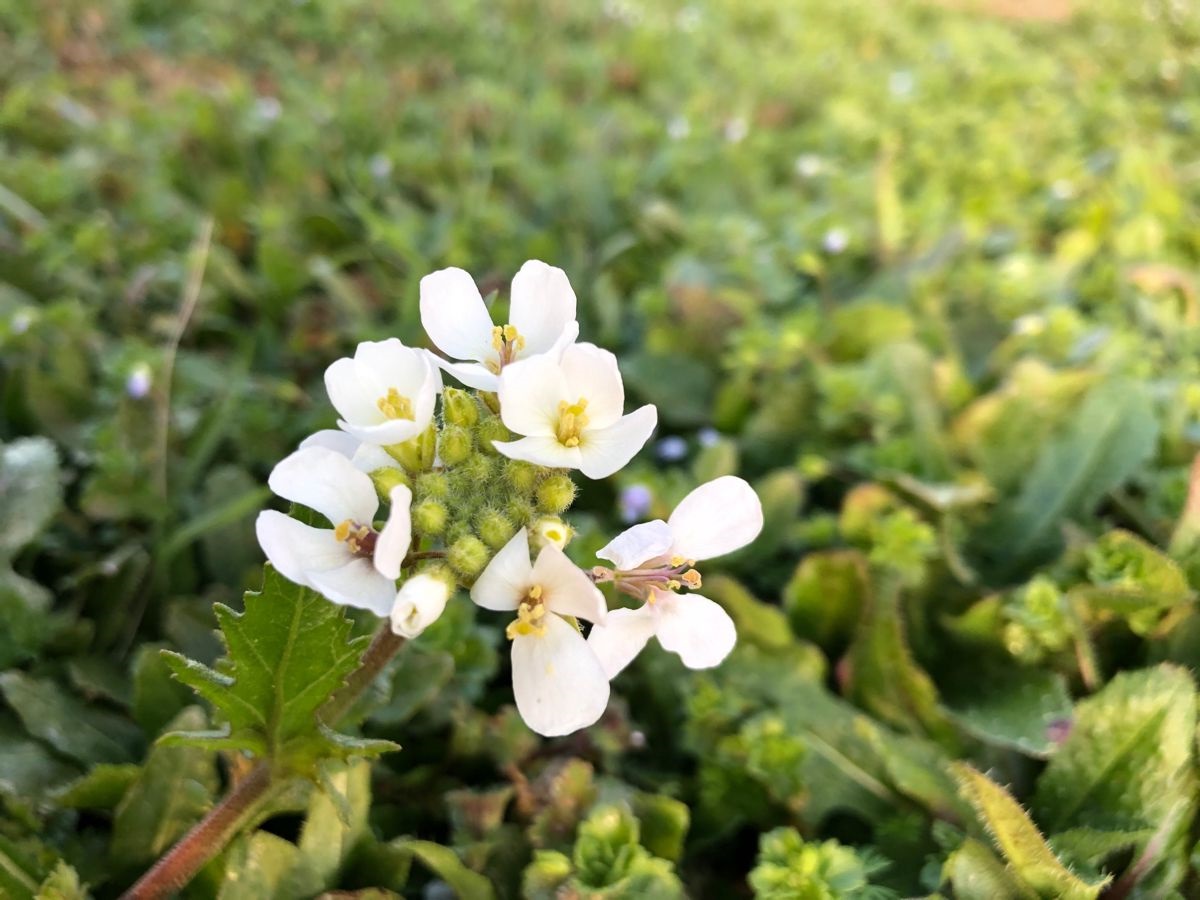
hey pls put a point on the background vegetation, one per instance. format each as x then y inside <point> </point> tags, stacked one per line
<point>925,275</point>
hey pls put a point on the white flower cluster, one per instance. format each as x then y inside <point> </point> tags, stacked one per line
<point>563,401</point>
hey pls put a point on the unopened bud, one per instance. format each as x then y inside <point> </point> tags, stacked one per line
<point>459,408</point>
<point>551,530</point>
<point>454,445</point>
<point>521,475</point>
<point>491,429</point>
<point>429,517</point>
<point>387,477</point>
<point>520,510</point>
<point>420,602</point>
<point>468,555</point>
<point>475,471</point>
<point>433,484</point>
<point>495,528</point>
<point>556,494</point>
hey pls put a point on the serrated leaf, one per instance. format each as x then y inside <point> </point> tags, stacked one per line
<point>30,491</point>
<point>173,791</point>
<point>81,732</point>
<point>444,863</point>
<point>1110,436</point>
<point>1021,709</point>
<point>286,655</point>
<point>1127,764</point>
<point>1019,840</point>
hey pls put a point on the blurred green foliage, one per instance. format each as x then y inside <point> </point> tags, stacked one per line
<point>926,276</point>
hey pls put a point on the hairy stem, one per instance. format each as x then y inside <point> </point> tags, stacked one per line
<point>223,822</point>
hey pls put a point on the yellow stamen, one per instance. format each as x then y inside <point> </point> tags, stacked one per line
<point>395,405</point>
<point>691,578</point>
<point>352,533</point>
<point>572,419</point>
<point>342,531</point>
<point>530,616</point>
<point>677,561</point>
<point>507,342</point>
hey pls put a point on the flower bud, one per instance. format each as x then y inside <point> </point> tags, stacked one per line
<point>468,555</point>
<point>421,600</point>
<point>521,475</point>
<point>454,445</point>
<point>459,408</point>
<point>555,494</point>
<point>551,530</point>
<point>387,477</point>
<point>520,510</point>
<point>491,429</point>
<point>429,517</point>
<point>495,528</point>
<point>433,484</point>
<point>476,471</point>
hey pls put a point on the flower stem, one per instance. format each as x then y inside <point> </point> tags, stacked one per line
<point>223,822</point>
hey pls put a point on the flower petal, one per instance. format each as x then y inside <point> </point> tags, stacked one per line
<point>507,578</point>
<point>637,545</point>
<point>392,544</point>
<point>542,450</point>
<point>454,315</point>
<point>370,457</point>
<point>542,304</point>
<point>473,375</point>
<point>530,393</point>
<point>326,481</point>
<point>716,518</point>
<point>567,590</point>
<point>296,549</point>
<point>696,628</point>
<point>591,372</point>
<point>421,601</point>
<point>332,439</point>
<point>389,431</point>
<point>353,400</point>
<point>558,683</point>
<point>621,637</point>
<point>389,364</point>
<point>357,584</point>
<point>607,450</point>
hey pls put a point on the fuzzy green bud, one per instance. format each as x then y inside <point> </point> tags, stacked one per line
<point>495,528</point>
<point>521,475</point>
<point>556,494</point>
<point>429,517</point>
<point>454,444</point>
<point>386,477</point>
<point>491,429</point>
<point>520,510</point>
<point>467,556</point>
<point>476,471</point>
<point>433,484</point>
<point>459,408</point>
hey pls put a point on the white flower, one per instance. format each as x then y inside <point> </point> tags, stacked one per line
<point>655,559</point>
<point>386,393</point>
<point>352,564</point>
<point>541,319</point>
<point>558,683</point>
<point>366,457</point>
<point>569,410</point>
<point>421,600</point>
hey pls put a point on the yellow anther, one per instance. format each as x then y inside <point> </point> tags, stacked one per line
<point>691,578</point>
<point>673,585</point>
<point>342,531</point>
<point>351,533</point>
<point>572,419</point>
<point>395,405</point>
<point>530,614</point>
<point>535,592</point>
<point>677,561</point>
<point>497,337</point>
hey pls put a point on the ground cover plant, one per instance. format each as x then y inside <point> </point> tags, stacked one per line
<point>921,275</point>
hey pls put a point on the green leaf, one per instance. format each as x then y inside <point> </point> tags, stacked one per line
<point>1014,833</point>
<point>25,612</point>
<point>173,791</point>
<point>1127,765</point>
<point>824,597</point>
<point>419,676</point>
<point>81,732</point>
<point>62,884</point>
<point>1112,433</point>
<point>976,874</point>
<point>444,863</point>
<point>30,491</point>
<point>262,865</point>
<point>27,767</point>
<point>1014,708</point>
<point>157,695</point>
<point>664,824</point>
<point>337,817</point>
<point>287,654</point>
<point>101,788</point>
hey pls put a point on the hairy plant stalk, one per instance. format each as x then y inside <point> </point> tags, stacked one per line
<point>225,820</point>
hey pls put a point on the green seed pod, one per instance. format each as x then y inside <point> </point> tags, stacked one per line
<point>429,517</point>
<point>556,494</point>
<point>454,445</point>
<point>521,475</point>
<point>495,528</point>
<point>386,478</point>
<point>491,429</point>
<point>459,408</point>
<point>467,556</point>
<point>433,484</point>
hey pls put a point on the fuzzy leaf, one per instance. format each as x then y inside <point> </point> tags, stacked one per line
<point>1019,709</point>
<point>1019,840</point>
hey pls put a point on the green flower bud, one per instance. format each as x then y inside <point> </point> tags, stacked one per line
<point>457,531</point>
<point>454,445</point>
<point>459,408</point>
<point>491,429</point>
<point>556,494</point>
<point>429,517</point>
<point>467,556</point>
<point>432,484</point>
<point>495,528</point>
<point>521,475</point>
<point>386,478</point>
<point>474,473</point>
<point>520,510</point>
